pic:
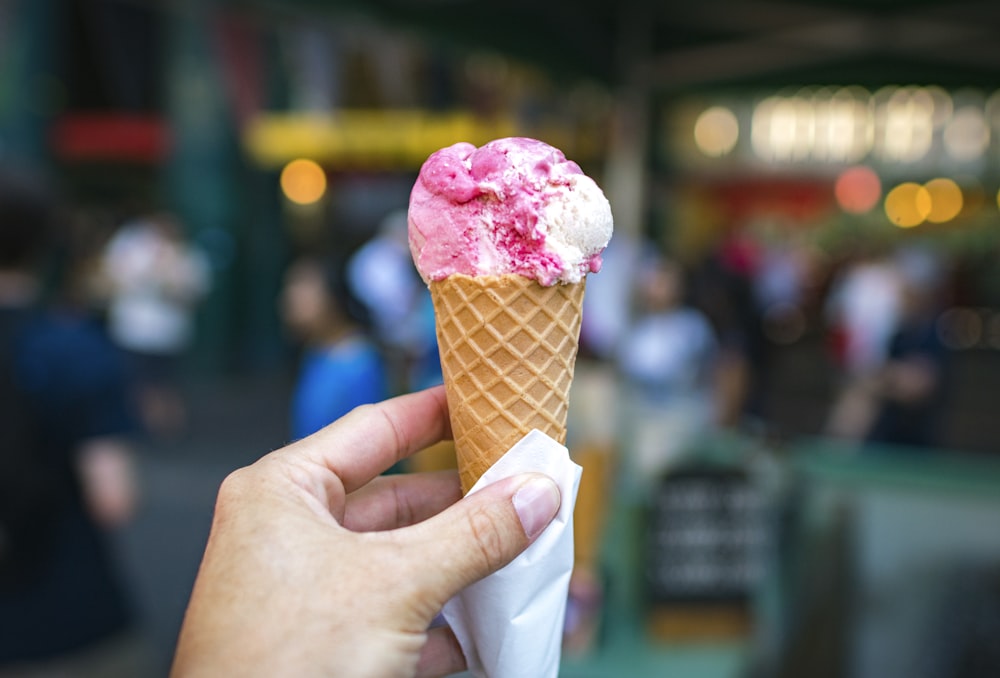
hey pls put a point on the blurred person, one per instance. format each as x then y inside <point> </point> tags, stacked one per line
<point>383,276</point>
<point>318,565</point>
<point>862,313</point>
<point>424,363</point>
<point>900,400</point>
<point>667,360</point>
<point>910,386</point>
<point>382,273</point>
<point>341,366</point>
<point>154,281</point>
<point>862,310</point>
<point>785,286</point>
<point>606,303</point>
<point>66,470</point>
<point>726,296</point>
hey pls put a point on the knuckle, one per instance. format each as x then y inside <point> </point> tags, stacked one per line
<point>235,487</point>
<point>232,485</point>
<point>405,513</point>
<point>487,537</point>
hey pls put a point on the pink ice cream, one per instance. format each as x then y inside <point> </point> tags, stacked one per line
<point>515,205</point>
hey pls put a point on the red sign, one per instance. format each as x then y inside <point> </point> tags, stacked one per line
<point>111,137</point>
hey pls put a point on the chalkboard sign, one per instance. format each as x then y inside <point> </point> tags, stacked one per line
<point>706,537</point>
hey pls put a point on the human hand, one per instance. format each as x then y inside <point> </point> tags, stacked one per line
<point>316,567</point>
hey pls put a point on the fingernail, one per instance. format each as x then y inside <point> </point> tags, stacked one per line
<point>536,503</point>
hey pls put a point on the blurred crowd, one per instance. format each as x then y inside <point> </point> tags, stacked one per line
<point>696,348</point>
<point>100,313</point>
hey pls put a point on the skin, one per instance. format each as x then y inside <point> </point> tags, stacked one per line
<point>308,309</point>
<point>106,470</point>
<point>317,566</point>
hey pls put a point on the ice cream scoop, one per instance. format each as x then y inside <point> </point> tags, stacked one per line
<point>513,206</point>
<point>504,235</point>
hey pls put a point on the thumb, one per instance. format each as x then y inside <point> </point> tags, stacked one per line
<point>481,533</point>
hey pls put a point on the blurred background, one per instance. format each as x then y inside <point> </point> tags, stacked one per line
<point>783,394</point>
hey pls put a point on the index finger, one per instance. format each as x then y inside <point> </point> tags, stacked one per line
<point>371,438</point>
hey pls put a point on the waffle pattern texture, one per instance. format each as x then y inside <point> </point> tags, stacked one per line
<point>508,349</point>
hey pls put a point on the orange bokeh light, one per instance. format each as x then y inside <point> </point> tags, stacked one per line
<point>858,189</point>
<point>303,181</point>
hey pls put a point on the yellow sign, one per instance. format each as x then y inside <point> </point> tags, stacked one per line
<point>396,138</point>
<point>374,139</point>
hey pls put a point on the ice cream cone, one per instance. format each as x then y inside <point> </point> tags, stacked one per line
<point>508,348</point>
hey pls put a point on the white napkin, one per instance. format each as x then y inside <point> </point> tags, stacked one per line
<point>510,624</point>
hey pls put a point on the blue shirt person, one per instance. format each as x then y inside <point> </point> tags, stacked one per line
<point>341,366</point>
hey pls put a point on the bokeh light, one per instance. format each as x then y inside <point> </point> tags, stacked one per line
<point>941,100</point>
<point>841,125</point>
<point>716,131</point>
<point>858,189</point>
<point>303,181</point>
<point>967,134</point>
<point>908,205</point>
<point>780,129</point>
<point>904,124</point>
<point>946,200</point>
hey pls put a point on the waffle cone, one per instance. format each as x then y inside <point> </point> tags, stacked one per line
<point>508,348</point>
